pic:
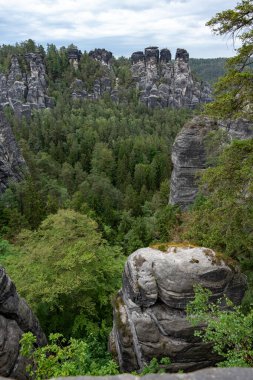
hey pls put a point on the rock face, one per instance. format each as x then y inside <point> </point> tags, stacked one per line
<point>149,312</point>
<point>24,91</point>
<point>190,153</point>
<point>15,318</point>
<point>164,83</point>
<point>11,160</point>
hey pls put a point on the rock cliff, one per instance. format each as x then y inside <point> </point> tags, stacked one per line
<point>25,90</point>
<point>163,83</point>
<point>15,318</point>
<point>11,160</point>
<point>149,312</point>
<point>160,81</point>
<point>190,153</point>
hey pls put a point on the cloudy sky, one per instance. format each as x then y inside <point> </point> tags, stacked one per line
<point>121,26</point>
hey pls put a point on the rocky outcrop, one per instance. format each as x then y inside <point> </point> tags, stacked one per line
<point>15,318</point>
<point>25,90</point>
<point>101,86</point>
<point>163,83</point>
<point>102,55</point>
<point>159,81</point>
<point>106,83</point>
<point>149,312</point>
<point>11,160</point>
<point>205,374</point>
<point>74,56</point>
<point>190,155</point>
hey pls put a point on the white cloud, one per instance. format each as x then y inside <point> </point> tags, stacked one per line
<point>163,22</point>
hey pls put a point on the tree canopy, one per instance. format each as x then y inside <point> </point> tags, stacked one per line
<point>66,270</point>
<point>234,91</point>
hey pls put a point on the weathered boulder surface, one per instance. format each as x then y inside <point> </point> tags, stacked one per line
<point>24,91</point>
<point>204,374</point>
<point>190,153</point>
<point>15,318</point>
<point>164,83</point>
<point>11,160</point>
<point>149,312</point>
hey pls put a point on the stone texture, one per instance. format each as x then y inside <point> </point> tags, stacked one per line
<point>24,91</point>
<point>205,374</point>
<point>190,157</point>
<point>149,312</point>
<point>163,83</point>
<point>11,160</point>
<point>15,318</point>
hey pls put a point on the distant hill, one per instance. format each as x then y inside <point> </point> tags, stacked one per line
<point>208,69</point>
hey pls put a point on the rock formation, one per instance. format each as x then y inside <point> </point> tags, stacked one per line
<point>15,318</point>
<point>160,82</point>
<point>103,84</point>
<point>102,55</point>
<point>190,153</point>
<point>164,83</point>
<point>11,160</point>
<point>149,312</point>
<point>24,91</point>
<point>74,56</point>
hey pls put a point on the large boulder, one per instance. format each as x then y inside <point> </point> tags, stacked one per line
<point>191,153</point>
<point>150,310</point>
<point>15,318</point>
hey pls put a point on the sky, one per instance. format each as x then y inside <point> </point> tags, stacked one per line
<point>121,26</point>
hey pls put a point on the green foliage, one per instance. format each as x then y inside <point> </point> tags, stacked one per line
<point>67,273</point>
<point>106,159</point>
<point>64,358</point>
<point>208,69</point>
<point>223,219</point>
<point>229,330</point>
<point>156,366</point>
<point>233,92</point>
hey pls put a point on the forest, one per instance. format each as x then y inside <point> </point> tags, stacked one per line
<point>95,188</point>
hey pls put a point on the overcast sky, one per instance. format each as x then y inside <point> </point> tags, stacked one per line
<point>121,26</point>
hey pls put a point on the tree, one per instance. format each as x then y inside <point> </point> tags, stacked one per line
<point>63,358</point>
<point>229,330</point>
<point>222,217</point>
<point>234,91</point>
<point>67,272</point>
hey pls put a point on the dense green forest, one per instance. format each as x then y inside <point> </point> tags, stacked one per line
<point>96,188</point>
<point>208,69</point>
